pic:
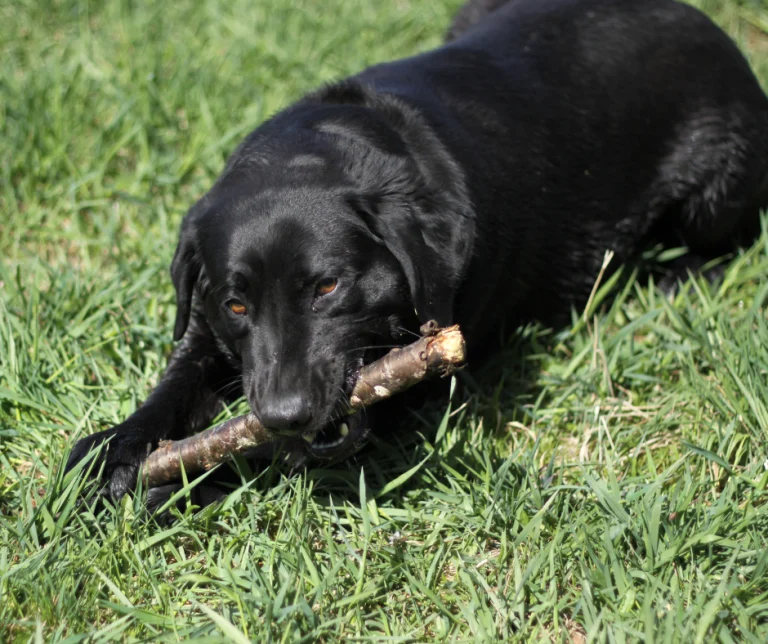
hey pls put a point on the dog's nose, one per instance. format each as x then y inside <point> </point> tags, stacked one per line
<point>285,414</point>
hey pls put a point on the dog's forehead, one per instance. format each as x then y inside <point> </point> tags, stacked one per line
<point>282,226</point>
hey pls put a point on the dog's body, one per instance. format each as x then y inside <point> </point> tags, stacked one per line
<point>478,183</point>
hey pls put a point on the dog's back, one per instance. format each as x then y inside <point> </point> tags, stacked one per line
<point>645,111</point>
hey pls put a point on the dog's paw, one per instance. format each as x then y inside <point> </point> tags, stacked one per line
<point>118,454</point>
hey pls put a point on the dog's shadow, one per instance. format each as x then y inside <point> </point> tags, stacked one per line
<point>434,430</point>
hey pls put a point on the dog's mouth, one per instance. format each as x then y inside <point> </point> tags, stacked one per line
<point>346,435</point>
<point>340,438</point>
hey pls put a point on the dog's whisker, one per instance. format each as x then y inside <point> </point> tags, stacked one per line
<point>344,397</point>
<point>405,331</point>
<point>386,347</point>
<point>228,386</point>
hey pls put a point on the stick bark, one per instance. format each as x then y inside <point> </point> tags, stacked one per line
<point>440,352</point>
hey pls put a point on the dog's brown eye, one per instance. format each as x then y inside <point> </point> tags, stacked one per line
<point>237,307</point>
<point>327,286</point>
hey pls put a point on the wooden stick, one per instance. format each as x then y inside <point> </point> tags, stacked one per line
<point>440,352</point>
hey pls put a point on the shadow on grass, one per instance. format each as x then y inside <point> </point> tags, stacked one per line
<point>434,432</point>
<point>421,441</point>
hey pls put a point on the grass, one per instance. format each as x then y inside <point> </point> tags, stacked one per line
<point>611,487</point>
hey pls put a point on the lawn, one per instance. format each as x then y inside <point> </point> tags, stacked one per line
<point>611,485</point>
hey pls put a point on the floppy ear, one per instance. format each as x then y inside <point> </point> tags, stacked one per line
<point>408,189</point>
<point>185,270</point>
<point>432,249</point>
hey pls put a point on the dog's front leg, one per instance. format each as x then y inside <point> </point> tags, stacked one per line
<point>191,392</point>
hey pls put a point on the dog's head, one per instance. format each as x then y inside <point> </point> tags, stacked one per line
<point>333,232</point>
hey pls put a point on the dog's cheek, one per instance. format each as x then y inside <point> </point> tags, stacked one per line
<point>328,383</point>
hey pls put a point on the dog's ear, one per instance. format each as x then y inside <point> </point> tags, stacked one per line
<point>432,248</point>
<point>410,192</point>
<point>185,270</point>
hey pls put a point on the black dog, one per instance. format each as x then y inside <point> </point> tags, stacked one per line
<point>477,183</point>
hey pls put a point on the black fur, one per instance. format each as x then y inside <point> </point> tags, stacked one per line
<point>478,183</point>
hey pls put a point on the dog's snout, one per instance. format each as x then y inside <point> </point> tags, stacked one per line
<point>288,413</point>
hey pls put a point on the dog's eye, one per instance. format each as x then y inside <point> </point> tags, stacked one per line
<point>326,286</point>
<point>237,307</point>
